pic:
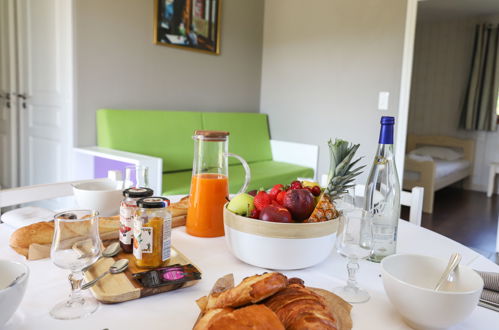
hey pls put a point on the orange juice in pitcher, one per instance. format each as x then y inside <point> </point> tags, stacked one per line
<point>209,185</point>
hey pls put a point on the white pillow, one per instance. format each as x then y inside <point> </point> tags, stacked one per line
<point>438,152</point>
<point>420,158</point>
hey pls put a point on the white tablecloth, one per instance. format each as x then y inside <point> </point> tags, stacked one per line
<point>177,310</point>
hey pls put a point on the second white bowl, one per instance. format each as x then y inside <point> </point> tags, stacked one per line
<point>99,196</point>
<point>409,280</point>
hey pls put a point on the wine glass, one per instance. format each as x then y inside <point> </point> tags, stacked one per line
<point>136,176</point>
<point>76,245</point>
<point>354,242</point>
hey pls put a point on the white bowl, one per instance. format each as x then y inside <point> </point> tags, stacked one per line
<point>409,280</point>
<point>10,297</point>
<point>281,246</point>
<point>99,196</point>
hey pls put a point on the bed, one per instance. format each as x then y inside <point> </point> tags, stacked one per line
<point>434,173</point>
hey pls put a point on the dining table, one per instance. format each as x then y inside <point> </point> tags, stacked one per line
<point>177,309</point>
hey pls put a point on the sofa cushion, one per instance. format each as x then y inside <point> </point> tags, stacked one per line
<point>264,175</point>
<point>249,134</point>
<point>164,134</point>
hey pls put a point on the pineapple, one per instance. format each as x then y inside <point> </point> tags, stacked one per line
<point>341,176</point>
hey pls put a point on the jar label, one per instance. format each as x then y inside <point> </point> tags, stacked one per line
<point>167,234</point>
<point>126,224</point>
<point>143,242</point>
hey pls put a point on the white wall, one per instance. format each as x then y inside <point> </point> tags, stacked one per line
<point>442,58</point>
<point>118,66</point>
<point>324,62</point>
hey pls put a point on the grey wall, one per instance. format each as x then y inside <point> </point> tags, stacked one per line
<point>324,63</point>
<point>118,66</point>
<point>442,56</point>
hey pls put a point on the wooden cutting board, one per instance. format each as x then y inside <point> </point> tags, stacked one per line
<point>123,287</point>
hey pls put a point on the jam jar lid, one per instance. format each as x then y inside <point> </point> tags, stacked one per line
<point>137,192</point>
<point>153,202</point>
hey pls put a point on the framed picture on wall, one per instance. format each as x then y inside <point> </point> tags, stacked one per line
<point>188,24</point>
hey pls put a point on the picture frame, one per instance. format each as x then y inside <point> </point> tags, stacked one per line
<point>188,24</point>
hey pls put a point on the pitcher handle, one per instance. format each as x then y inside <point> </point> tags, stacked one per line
<point>247,177</point>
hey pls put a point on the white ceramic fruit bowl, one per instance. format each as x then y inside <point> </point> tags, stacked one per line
<point>10,297</point>
<point>99,196</point>
<point>281,246</point>
<point>409,280</point>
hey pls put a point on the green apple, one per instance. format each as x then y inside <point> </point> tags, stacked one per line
<point>241,204</point>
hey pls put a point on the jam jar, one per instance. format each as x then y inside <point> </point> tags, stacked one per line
<point>152,225</point>
<point>127,211</point>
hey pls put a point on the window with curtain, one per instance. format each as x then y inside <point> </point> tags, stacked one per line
<point>480,107</point>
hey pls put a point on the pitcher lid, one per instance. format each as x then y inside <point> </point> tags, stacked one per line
<point>211,135</point>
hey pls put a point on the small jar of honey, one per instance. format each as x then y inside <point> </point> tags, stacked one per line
<point>152,232</point>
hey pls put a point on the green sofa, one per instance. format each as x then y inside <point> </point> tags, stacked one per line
<point>168,135</point>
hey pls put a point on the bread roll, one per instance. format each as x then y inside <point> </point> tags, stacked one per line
<point>41,233</point>
<point>179,208</point>
<point>300,308</point>
<point>250,291</point>
<point>255,317</point>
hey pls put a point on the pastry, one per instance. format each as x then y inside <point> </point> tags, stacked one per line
<point>300,308</point>
<point>255,317</point>
<point>250,291</point>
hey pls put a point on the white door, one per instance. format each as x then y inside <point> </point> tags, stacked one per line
<point>45,89</point>
<point>8,101</point>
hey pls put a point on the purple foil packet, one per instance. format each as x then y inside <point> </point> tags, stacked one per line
<point>171,275</point>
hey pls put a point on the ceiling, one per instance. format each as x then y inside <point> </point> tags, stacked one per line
<point>439,9</point>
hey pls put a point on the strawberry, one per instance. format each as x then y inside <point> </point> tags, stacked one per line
<point>296,185</point>
<point>280,197</point>
<point>275,190</point>
<point>261,200</point>
<point>255,214</point>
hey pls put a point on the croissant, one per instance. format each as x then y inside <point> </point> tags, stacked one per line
<point>255,317</point>
<point>300,308</point>
<point>251,290</point>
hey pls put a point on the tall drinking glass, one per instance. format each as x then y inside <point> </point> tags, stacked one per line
<point>136,176</point>
<point>355,246</point>
<point>76,245</point>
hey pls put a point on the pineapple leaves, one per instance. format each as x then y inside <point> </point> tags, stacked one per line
<point>341,173</point>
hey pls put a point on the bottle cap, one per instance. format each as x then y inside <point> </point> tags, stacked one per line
<point>386,132</point>
<point>137,192</point>
<point>385,120</point>
<point>153,202</point>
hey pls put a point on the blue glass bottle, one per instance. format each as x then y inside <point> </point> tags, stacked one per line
<point>382,194</point>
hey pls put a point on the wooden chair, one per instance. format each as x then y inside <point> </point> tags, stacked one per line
<point>413,199</point>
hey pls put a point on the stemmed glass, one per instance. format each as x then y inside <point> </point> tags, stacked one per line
<point>76,245</point>
<point>136,176</point>
<point>354,241</point>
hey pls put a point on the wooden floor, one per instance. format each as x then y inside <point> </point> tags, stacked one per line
<point>468,217</point>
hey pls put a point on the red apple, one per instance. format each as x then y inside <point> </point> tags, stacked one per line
<point>300,202</point>
<point>275,213</point>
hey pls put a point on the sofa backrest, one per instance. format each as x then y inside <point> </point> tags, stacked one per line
<point>168,134</point>
<point>249,134</point>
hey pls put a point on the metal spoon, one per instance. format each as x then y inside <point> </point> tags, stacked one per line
<point>118,267</point>
<point>454,260</point>
<point>110,251</point>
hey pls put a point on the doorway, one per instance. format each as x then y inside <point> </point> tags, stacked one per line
<point>36,86</point>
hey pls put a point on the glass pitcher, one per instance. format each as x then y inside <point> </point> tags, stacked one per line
<point>209,184</point>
